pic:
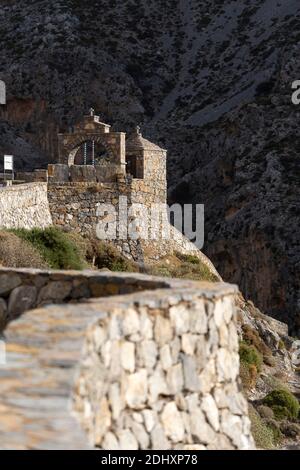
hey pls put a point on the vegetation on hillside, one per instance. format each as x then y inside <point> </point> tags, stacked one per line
<point>183,266</point>
<point>265,433</point>
<point>249,355</point>
<point>283,403</point>
<point>275,416</point>
<point>16,252</point>
<point>56,249</point>
<point>105,255</point>
<point>250,365</point>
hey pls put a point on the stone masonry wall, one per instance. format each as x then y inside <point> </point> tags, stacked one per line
<point>24,289</point>
<point>74,207</point>
<point>151,371</point>
<point>155,166</point>
<point>24,206</point>
<point>161,372</point>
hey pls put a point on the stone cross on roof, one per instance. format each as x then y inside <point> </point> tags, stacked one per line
<point>138,130</point>
<point>92,112</point>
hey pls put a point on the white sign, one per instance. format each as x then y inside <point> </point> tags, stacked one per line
<point>8,162</point>
<point>2,92</point>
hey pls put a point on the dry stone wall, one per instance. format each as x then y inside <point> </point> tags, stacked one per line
<point>155,168</point>
<point>156,369</point>
<point>24,206</point>
<point>74,206</point>
<point>24,289</point>
<point>32,176</point>
<point>161,372</point>
<point>101,173</point>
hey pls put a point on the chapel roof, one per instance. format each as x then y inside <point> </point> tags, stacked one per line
<point>137,142</point>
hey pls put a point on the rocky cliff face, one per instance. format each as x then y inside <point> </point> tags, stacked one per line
<point>209,80</point>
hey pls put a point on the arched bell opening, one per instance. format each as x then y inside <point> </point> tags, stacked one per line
<point>89,153</point>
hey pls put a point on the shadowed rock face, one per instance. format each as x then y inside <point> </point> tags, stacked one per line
<point>211,81</point>
<point>250,188</point>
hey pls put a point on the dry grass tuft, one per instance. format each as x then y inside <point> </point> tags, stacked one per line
<point>18,253</point>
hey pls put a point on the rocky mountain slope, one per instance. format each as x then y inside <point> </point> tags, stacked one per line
<point>209,80</point>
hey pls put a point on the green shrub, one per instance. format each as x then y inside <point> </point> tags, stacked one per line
<point>277,434</point>
<point>250,356</point>
<point>163,271</point>
<point>281,412</point>
<point>252,338</point>
<point>262,433</point>
<point>54,245</point>
<point>183,266</point>
<point>193,259</point>
<point>82,244</point>
<point>196,272</point>
<point>248,375</point>
<point>107,256</point>
<point>283,403</point>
